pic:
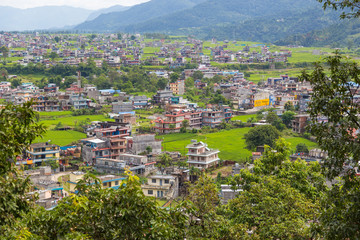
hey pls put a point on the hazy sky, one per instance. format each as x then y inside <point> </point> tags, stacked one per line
<point>89,4</point>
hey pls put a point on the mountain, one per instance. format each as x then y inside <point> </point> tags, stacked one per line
<point>341,34</point>
<point>14,19</point>
<point>116,8</point>
<point>213,12</point>
<point>136,14</point>
<point>269,28</point>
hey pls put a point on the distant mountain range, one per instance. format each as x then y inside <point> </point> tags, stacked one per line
<point>255,20</point>
<point>141,13</point>
<point>281,22</point>
<point>14,19</point>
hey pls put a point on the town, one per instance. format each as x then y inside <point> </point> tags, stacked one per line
<point>113,130</point>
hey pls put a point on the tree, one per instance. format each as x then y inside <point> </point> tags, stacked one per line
<point>53,55</point>
<point>273,210</point>
<point>174,77</point>
<point>5,52</point>
<point>289,106</point>
<point>164,161</point>
<point>261,135</point>
<point>334,98</point>
<point>15,82</point>
<point>204,222</point>
<point>18,128</point>
<point>4,73</point>
<point>275,121</point>
<point>351,8</point>
<point>57,39</point>
<point>99,213</point>
<point>287,118</point>
<point>197,75</point>
<point>148,149</point>
<point>185,124</point>
<point>302,148</point>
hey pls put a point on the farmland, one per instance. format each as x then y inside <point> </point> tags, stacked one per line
<point>231,143</point>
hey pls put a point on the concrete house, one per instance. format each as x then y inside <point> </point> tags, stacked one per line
<point>161,186</point>
<point>39,152</point>
<point>200,156</point>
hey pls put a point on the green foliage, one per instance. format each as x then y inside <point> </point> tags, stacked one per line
<point>108,214</point>
<point>18,128</point>
<point>261,135</point>
<point>287,117</point>
<point>334,99</point>
<point>289,106</point>
<point>302,148</point>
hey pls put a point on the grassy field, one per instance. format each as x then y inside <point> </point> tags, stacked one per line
<point>61,138</point>
<point>72,121</point>
<point>230,143</point>
<point>243,118</point>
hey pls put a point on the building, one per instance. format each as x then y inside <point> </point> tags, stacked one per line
<point>212,117</point>
<point>171,123</point>
<point>200,156</point>
<point>299,123</point>
<point>94,148</point>
<point>178,87</point>
<point>121,107</point>
<point>161,186</point>
<point>227,193</point>
<point>108,165</point>
<point>139,144</point>
<point>162,96</point>
<point>107,181</point>
<point>39,152</point>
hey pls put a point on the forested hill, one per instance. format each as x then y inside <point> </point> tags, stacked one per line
<point>269,28</point>
<point>170,15</point>
<point>213,12</point>
<point>139,13</point>
<point>345,33</point>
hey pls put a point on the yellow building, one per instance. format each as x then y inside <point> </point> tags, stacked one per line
<point>107,181</point>
<point>39,152</point>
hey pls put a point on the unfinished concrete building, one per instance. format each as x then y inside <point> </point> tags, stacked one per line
<point>138,144</point>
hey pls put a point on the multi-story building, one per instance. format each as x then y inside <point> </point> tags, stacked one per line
<point>162,96</point>
<point>46,104</point>
<point>212,117</point>
<point>178,87</point>
<point>115,138</point>
<point>200,156</point>
<point>38,152</point>
<point>78,102</point>
<point>161,186</point>
<point>195,118</point>
<point>171,123</point>
<point>299,123</point>
<point>94,148</point>
<point>109,165</point>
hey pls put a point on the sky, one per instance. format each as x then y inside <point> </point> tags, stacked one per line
<point>88,4</point>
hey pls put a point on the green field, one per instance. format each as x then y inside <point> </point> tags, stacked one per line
<point>72,121</point>
<point>231,143</point>
<point>243,118</point>
<point>61,138</point>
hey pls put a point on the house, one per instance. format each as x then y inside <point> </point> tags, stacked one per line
<point>227,193</point>
<point>94,148</point>
<point>107,181</point>
<point>171,123</point>
<point>177,87</point>
<point>38,152</point>
<point>299,123</point>
<point>109,165</point>
<point>139,144</point>
<point>200,156</point>
<point>161,186</point>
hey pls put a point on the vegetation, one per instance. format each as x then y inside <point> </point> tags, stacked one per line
<point>261,135</point>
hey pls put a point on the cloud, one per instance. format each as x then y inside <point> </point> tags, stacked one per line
<point>88,4</point>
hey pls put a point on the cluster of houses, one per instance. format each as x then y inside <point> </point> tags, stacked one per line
<point>128,50</point>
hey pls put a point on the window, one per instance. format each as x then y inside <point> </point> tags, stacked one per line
<point>153,180</point>
<point>116,182</point>
<point>104,184</point>
<point>167,181</point>
<point>150,192</point>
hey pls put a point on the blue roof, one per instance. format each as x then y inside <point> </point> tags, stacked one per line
<point>112,180</point>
